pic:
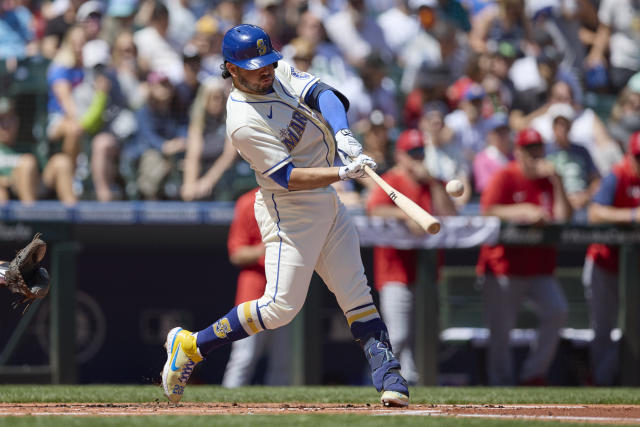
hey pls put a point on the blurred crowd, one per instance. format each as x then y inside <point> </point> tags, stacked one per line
<point>135,105</point>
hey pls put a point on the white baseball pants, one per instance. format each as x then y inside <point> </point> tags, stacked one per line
<point>305,231</point>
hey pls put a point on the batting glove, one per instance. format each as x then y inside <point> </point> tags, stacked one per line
<point>355,169</point>
<point>348,147</point>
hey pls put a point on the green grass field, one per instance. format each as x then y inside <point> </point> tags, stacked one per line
<point>320,394</point>
<point>420,395</point>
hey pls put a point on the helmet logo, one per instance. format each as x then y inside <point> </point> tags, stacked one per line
<point>262,47</point>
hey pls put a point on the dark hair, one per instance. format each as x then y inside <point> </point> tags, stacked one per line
<point>160,11</point>
<point>225,73</point>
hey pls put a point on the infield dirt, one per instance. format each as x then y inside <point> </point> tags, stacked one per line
<point>615,414</point>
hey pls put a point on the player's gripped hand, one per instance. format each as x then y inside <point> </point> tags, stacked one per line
<point>348,146</point>
<point>367,160</point>
<point>355,169</point>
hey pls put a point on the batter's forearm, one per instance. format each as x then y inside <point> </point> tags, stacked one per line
<point>310,178</point>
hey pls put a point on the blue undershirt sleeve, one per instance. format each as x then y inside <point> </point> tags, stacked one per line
<point>330,103</point>
<point>333,111</point>
<point>607,191</point>
<point>282,175</point>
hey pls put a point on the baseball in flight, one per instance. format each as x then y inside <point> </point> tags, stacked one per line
<point>455,188</point>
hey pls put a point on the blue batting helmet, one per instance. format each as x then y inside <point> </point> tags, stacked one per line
<point>249,47</point>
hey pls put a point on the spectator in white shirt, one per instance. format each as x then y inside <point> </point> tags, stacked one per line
<point>154,51</point>
<point>356,34</point>
<point>399,26</point>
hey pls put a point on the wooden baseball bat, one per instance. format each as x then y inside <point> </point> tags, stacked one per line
<point>423,218</point>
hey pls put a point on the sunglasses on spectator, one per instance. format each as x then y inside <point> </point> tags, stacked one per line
<point>535,150</point>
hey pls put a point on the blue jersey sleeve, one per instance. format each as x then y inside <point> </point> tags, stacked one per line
<point>282,175</point>
<point>607,191</point>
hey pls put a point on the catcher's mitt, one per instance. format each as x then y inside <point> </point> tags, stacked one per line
<point>24,275</point>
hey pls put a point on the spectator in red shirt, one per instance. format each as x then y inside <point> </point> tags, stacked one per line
<point>528,190</point>
<point>616,201</point>
<point>246,251</point>
<point>395,269</point>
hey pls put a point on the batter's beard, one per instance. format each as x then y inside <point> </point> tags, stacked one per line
<point>255,88</point>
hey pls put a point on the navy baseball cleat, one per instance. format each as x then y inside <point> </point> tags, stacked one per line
<point>392,397</point>
<point>385,371</point>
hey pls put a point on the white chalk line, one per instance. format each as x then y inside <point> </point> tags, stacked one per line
<point>547,417</point>
<point>438,413</point>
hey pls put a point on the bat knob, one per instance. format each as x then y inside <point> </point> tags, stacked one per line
<point>434,228</point>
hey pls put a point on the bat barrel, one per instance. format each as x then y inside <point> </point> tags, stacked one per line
<point>423,218</point>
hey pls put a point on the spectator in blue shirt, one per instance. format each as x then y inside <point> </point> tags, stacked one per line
<point>65,73</point>
<point>15,31</point>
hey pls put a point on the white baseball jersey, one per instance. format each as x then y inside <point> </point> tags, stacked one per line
<point>304,230</point>
<point>270,131</point>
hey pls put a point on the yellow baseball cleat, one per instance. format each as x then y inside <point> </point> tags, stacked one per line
<point>394,399</point>
<point>182,357</point>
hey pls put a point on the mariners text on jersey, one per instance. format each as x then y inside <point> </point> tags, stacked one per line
<point>291,136</point>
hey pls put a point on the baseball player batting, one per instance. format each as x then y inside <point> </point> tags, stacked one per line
<point>288,126</point>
